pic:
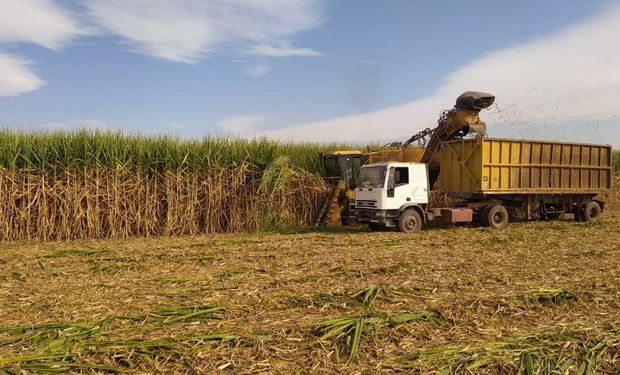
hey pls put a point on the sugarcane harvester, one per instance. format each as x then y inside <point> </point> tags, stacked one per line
<point>340,171</point>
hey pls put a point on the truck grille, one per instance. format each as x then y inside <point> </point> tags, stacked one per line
<point>361,203</point>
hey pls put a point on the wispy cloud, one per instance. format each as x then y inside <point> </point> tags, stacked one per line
<point>181,31</point>
<point>242,125</point>
<point>185,30</point>
<point>41,22</point>
<point>65,125</point>
<point>284,50</point>
<point>257,70</point>
<point>364,61</point>
<point>16,77</point>
<point>570,76</point>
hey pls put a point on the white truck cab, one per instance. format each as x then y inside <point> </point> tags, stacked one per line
<point>392,195</point>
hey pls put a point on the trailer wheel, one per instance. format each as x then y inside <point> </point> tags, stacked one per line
<point>410,221</point>
<point>496,216</point>
<point>591,212</point>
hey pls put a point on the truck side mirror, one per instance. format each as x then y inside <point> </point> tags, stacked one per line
<point>391,183</point>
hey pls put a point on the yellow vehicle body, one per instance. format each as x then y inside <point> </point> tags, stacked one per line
<point>342,152</point>
<point>510,166</point>
<point>340,166</point>
<point>409,154</point>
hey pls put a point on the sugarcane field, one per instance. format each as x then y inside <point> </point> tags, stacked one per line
<point>465,300</point>
<point>111,262</point>
<point>309,187</point>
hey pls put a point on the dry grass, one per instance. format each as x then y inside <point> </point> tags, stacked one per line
<point>102,203</point>
<point>462,300</point>
<point>613,198</point>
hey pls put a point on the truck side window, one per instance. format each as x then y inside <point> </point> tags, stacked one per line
<point>401,176</point>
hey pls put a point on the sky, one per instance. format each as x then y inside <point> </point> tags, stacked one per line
<point>310,70</point>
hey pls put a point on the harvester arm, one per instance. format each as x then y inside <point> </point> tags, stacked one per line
<point>454,123</point>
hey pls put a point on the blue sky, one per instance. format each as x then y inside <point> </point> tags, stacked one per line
<point>353,70</point>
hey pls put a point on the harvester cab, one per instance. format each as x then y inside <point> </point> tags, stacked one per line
<point>340,170</point>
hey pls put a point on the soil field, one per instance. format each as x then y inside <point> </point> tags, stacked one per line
<point>537,297</point>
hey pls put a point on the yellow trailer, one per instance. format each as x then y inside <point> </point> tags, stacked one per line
<point>527,178</point>
<point>500,166</point>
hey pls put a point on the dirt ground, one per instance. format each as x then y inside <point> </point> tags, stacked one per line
<point>535,296</point>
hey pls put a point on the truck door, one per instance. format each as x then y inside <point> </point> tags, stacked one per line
<point>406,185</point>
<point>419,184</point>
<point>398,189</point>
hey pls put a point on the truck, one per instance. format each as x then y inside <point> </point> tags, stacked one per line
<point>492,181</point>
<point>340,167</point>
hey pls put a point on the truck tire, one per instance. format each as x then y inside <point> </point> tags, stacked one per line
<point>410,221</point>
<point>484,216</point>
<point>591,212</point>
<point>496,216</point>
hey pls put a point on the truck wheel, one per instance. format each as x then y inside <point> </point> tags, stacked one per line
<point>592,212</point>
<point>484,216</point>
<point>410,221</point>
<point>497,217</point>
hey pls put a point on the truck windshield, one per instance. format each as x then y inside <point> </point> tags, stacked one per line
<point>371,177</point>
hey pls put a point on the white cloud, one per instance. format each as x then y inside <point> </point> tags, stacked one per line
<point>257,70</point>
<point>364,61</point>
<point>243,125</point>
<point>66,125</point>
<point>184,30</point>
<point>53,127</point>
<point>15,76</point>
<point>569,76</point>
<point>181,30</point>
<point>284,50</point>
<point>40,22</point>
<point>76,124</point>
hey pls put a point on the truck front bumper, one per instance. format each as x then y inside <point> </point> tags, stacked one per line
<point>387,218</point>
